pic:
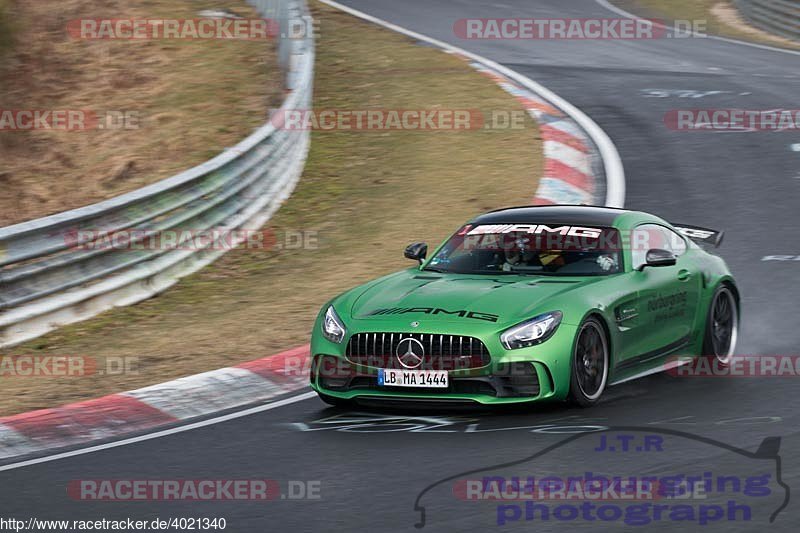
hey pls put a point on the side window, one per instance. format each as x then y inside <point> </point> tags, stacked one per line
<point>678,243</point>
<point>649,236</point>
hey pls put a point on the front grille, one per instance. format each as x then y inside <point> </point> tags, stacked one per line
<point>442,352</point>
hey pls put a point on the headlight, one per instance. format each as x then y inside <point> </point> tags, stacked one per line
<point>332,326</point>
<point>531,332</point>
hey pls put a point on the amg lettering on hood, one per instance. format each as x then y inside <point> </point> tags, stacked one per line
<point>436,311</point>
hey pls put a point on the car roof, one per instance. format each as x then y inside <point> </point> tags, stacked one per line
<point>583,215</point>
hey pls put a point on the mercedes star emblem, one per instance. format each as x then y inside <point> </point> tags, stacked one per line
<point>410,353</point>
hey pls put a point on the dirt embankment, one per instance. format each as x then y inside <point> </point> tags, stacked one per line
<point>149,107</point>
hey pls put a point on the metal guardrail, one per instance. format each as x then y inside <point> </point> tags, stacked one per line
<point>50,277</point>
<point>781,17</point>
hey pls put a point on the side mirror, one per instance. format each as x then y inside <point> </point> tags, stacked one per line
<point>417,251</point>
<point>659,258</point>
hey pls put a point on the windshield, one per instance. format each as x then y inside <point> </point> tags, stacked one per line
<point>555,250</point>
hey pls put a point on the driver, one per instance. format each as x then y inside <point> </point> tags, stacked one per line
<point>519,253</point>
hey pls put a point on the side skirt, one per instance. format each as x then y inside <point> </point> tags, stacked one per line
<point>648,363</point>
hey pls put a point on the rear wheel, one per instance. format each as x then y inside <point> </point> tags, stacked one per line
<point>589,364</point>
<point>722,325</point>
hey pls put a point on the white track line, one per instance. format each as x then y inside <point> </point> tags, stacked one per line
<point>162,433</point>
<point>615,173</point>
<point>627,14</point>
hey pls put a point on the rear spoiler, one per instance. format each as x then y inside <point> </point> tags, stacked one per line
<point>701,235</point>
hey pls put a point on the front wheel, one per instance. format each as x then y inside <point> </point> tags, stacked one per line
<point>722,326</point>
<point>589,364</point>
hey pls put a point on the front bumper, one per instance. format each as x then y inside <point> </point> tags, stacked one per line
<point>512,376</point>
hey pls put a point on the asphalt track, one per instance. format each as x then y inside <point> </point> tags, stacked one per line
<point>372,466</point>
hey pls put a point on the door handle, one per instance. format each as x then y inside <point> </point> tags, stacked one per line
<point>684,274</point>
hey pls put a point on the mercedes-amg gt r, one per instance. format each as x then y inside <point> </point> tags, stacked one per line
<point>527,304</point>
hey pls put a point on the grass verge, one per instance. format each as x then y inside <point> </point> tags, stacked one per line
<point>362,197</point>
<point>6,27</point>
<point>189,99</point>
<point>722,16</point>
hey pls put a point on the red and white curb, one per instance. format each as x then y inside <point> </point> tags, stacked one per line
<point>570,156</point>
<point>155,406</point>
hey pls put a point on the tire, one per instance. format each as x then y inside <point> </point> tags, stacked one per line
<point>336,402</point>
<point>589,364</point>
<point>722,325</point>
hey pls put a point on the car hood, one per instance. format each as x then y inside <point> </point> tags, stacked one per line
<point>442,297</point>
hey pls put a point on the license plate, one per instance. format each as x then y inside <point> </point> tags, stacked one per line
<point>433,379</point>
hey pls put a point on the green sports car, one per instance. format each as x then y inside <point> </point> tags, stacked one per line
<point>527,304</point>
